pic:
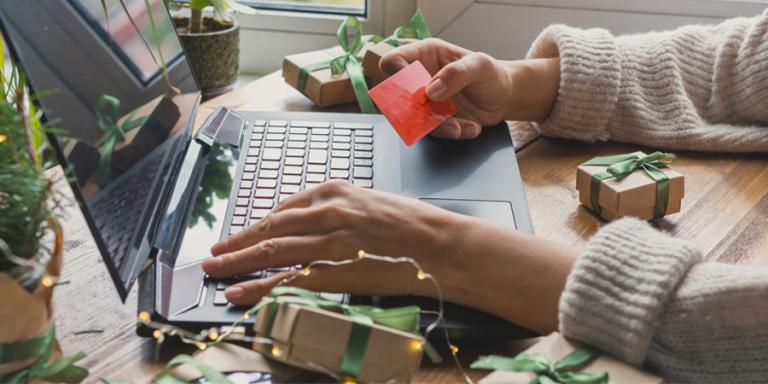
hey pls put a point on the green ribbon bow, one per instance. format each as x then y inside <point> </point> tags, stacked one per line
<point>349,62</point>
<point>418,29</point>
<point>561,372</point>
<point>363,316</point>
<point>61,370</point>
<point>107,115</point>
<point>621,166</point>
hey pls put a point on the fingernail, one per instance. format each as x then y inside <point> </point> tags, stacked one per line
<point>212,265</point>
<point>436,89</point>
<point>234,292</point>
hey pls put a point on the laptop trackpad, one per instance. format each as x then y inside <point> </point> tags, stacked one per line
<point>497,212</point>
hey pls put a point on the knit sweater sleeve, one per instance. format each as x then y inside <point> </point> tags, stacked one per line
<point>697,87</point>
<point>647,298</point>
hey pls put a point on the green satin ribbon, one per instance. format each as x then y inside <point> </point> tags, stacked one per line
<point>561,372</point>
<point>363,317</point>
<point>349,62</point>
<point>621,166</point>
<point>61,370</point>
<point>107,112</point>
<point>418,29</point>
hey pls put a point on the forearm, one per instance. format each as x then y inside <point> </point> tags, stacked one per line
<point>534,84</point>
<point>510,274</point>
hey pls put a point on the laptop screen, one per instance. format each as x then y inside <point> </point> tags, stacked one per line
<point>120,119</point>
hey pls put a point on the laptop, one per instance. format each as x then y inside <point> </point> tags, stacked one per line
<point>157,194</point>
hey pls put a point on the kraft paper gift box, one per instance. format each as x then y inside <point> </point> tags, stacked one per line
<point>555,347</point>
<point>317,340</point>
<point>373,56</point>
<point>635,195</point>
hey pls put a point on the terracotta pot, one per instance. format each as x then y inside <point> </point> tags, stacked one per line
<point>214,55</point>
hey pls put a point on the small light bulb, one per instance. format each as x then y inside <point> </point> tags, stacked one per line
<point>306,271</point>
<point>157,334</point>
<point>47,281</point>
<point>417,345</point>
<point>360,254</point>
<point>3,138</point>
<point>349,380</point>
<point>454,349</point>
<point>276,351</point>
<point>421,275</point>
<point>213,335</point>
<point>246,316</point>
<point>202,346</point>
<point>144,316</point>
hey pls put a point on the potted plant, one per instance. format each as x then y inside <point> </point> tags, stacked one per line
<point>212,43</point>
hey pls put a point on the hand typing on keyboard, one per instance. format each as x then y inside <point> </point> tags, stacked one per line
<point>332,222</point>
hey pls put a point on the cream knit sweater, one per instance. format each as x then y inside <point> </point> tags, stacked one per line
<point>636,292</point>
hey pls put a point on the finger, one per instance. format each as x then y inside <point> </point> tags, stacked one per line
<point>363,277</point>
<point>324,191</point>
<point>273,253</point>
<point>292,222</point>
<point>456,76</point>
<point>433,53</point>
<point>250,292</point>
<point>470,129</point>
<point>449,129</point>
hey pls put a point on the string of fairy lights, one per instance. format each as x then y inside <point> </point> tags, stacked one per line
<point>212,336</point>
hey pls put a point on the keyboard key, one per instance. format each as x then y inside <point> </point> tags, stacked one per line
<point>363,134</point>
<point>264,193</point>
<point>309,185</point>
<point>244,193</point>
<point>339,163</point>
<point>246,184</point>
<point>276,136</point>
<point>272,154</point>
<point>259,129</point>
<point>235,229</point>
<point>273,144</point>
<point>251,160</point>
<point>289,189</point>
<point>363,172</point>
<point>318,145</point>
<point>363,147</point>
<point>240,211</point>
<point>278,123</point>
<point>283,198</point>
<point>317,156</point>
<point>315,168</point>
<point>267,174</point>
<point>339,174</point>
<point>302,131</point>
<point>297,161</point>
<point>321,131</point>
<point>363,183</point>
<point>250,168</point>
<point>341,132</point>
<point>363,163</point>
<point>315,178</point>
<point>266,184</point>
<point>353,125</point>
<point>297,144</point>
<point>290,179</point>
<point>241,202</point>
<point>342,146</point>
<point>363,155</point>
<point>342,139</point>
<point>344,154</point>
<point>276,130</point>
<point>259,123</point>
<point>263,203</point>
<point>248,176</point>
<point>311,124</point>
<point>292,170</point>
<point>297,137</point>
<point>294,153</point>
<point>219,298</point>
<point>364,140</point>
<point>238,220</point>
<point>261,213</point>
<point>323,138</point>
<point>270,165</point>
<point>253,152</point>
<point>255,144</point>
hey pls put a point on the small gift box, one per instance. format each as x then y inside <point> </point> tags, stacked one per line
<point>633,184</point>
<point>555,359</point>
<point>364,343</point>
<point>333,76</point>
<point>417,30</point>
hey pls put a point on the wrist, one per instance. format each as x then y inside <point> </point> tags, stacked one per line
<point>534,86</point>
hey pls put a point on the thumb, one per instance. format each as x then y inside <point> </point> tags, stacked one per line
<point>456,76</point>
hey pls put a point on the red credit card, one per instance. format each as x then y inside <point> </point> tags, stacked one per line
<point>403,101</point>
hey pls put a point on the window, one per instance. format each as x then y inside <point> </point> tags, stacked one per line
<point>333,7</point>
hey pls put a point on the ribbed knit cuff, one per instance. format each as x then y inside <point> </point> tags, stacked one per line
<point>620,285</point>
<point>590,78</point>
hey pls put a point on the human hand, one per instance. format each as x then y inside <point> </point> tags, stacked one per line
<point>333,222</point>
<point>485,90</point>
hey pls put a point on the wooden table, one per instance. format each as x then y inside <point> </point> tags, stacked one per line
<point>725,212</point>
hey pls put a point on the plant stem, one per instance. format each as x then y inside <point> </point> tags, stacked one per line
<point>196,21</point>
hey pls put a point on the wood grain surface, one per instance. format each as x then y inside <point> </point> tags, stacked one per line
<point>725,212</point>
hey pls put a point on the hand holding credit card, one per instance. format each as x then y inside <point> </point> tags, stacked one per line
<point>403,100</point>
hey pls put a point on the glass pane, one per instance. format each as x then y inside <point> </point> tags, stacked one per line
<point>343,7</point>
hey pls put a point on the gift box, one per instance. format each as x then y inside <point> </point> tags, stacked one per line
<point>320,86</point>
<point>324,341</point>
<point>633,184</point>
<point>561,360</point>
<point>372,57</point>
